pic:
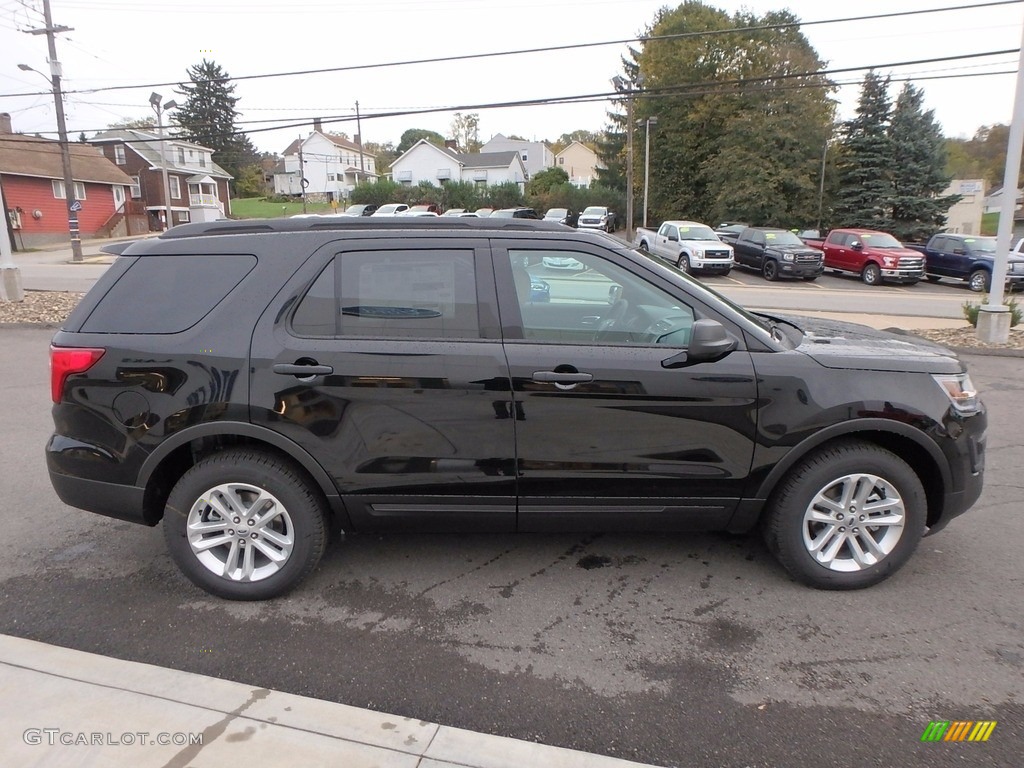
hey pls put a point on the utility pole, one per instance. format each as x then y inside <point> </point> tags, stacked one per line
<point>302,176</point>
<point>359,141</point>
<point>62,132</point>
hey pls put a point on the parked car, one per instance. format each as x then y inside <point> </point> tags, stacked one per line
<point>361,209</point>
<point>391,209</point>
<point>728,231</point>
<point>777,253</point>
<point>970,258</point>
<point>514,213</point>
<point>429,208</point>
<point>689,245</point>
<point>454,212</point>
<point>875,256</point>
<point>483,213</point>
<point>255,389</point>
<point>597,217</point>
<point>565,216</point>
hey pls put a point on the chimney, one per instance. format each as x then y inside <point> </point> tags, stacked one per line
<point>5,123</point>
<point>452,144</point>
<point>317,125</point>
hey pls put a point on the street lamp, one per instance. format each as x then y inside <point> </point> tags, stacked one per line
<point>154,101</point>
<point>652,120</point>
<point>65,149</point>
<point>621,84</point>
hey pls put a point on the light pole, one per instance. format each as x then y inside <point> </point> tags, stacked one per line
<point>622,85</point>
<point>154,101</point>
<point>62,136</point>
<point>652,120</point>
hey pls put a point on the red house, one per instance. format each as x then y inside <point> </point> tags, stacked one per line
<point>32,179</point>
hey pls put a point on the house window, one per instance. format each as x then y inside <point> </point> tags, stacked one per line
<point>183,216</point>
<point>175,187</point>
<point>119,154</point>
<point>525,156</point>
<point>58,190</point>
<point>330,177</point>
<point>561,161</point>
<point>181,155</point>
<point>202,160</point>
<point>136,188</point>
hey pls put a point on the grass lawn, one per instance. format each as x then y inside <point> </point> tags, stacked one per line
<point>259,208</point>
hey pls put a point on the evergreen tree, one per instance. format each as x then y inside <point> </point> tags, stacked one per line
<point>918,169</point>
<point>866,191</point>
<point>208,117</point>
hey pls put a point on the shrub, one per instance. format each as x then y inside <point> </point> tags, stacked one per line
<point>971,312</point>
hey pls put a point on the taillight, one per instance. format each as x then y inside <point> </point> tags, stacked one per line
<point>65,361</point>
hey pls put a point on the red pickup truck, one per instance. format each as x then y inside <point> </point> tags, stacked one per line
<point>875,256</point>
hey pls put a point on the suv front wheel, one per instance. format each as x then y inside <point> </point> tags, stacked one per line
<point>846,517</point>
<point>245,525</point>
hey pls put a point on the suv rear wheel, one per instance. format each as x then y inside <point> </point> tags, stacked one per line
<point>245,525</point>
<point>847,517</point>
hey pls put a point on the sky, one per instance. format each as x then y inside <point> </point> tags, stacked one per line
<point>138,48</point>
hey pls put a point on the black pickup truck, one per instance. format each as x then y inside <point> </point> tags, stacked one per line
<point>970,258</point>
<point>777,253</point>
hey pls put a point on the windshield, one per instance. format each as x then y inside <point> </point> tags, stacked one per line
<point>594,210</point>
<point>782,238</point>
<point>556,213</point>
<point>697,233</point>
<point>983,244</point>
<point>881,241</point>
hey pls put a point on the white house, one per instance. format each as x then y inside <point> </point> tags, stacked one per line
<point>994,201</point>
<point>424,161</point>
<point>332,166</point>
<point>965,215</point>
<point>536,155</point>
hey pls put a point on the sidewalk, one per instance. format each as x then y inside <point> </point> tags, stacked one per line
<point>73,708</point>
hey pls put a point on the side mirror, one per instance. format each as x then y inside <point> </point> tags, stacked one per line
<point>614,293</point>
<point>708,341</point>
<point>857,245</point>
<point>674,238</point>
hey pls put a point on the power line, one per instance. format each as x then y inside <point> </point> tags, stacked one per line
<point>548,49</point>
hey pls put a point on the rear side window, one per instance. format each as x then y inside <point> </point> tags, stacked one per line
<point>167,294</point>
<point>397,294</point>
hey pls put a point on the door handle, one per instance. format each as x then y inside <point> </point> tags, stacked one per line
<point>307,370</point>
<point>555,377</point>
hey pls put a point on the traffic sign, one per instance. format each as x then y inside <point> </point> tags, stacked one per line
<point>76,205</point>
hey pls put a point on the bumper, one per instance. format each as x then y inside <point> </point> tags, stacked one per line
<point>123,502</point>
<point>800,270</point>
<point>903,275</point>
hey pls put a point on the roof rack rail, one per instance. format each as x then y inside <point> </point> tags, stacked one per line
<point>313,224</point>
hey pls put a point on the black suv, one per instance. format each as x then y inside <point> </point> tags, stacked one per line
<point>257,385</point>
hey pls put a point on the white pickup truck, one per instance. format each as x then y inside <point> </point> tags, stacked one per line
<point>691,246</point>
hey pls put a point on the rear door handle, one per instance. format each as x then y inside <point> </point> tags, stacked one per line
<point>554,377</point>
<point>311,369</point>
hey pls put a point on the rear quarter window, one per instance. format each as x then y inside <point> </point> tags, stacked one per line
<point>167,294</point>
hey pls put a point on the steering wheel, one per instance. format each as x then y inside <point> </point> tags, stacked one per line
<point>613,318</point>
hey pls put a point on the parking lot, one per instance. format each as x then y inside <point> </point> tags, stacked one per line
<point>673,650</point>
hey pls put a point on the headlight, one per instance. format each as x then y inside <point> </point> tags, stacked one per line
<point>787,257</point>
<point>960,391</point>
<point>889,261</point>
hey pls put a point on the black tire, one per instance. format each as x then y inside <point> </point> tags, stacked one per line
<point>871,274</point>
<point>787,532</point>
<point>933,278</point>
<point>979,281</point>
<point>684,263</point>
<point>770,270</point>
<point>300,517</point>
<point>725,272</point>
<point>810,278</point>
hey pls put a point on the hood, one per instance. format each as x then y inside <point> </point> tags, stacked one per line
<point>898,252</point>
<point>794,249</point>
<point>837,344</point>
<point>706,245</point>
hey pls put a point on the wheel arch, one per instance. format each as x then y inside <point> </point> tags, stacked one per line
<point>177,454</point>
<point>924,457</point>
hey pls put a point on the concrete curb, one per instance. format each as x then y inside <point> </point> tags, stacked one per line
<point>80,708</point>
